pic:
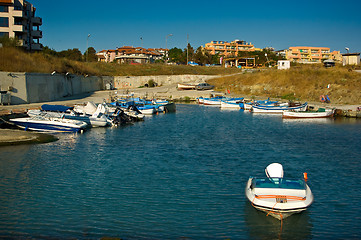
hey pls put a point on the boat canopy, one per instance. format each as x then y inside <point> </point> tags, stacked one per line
<point>282,183</point>
<point>55,108</point>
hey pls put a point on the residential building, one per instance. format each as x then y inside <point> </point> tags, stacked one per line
<point>351,59</point>
<point>18,20</point>
<point>132,55</point>
<point>229,49</point>
<point>312,54</point>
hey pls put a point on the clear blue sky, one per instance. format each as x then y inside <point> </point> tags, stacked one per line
<point>280,24</point>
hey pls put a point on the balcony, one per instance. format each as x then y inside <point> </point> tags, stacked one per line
<point>7,2</point>
<point>37,21</point>
<point>36,34</point>
<point>36,46</point>
<point>18,13</point>
<point>19,28</point>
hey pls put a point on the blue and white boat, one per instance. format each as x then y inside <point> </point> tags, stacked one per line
<point>278,109</point>
<point>97,119</point>
<point>49,124</point>
<point>277,196</point>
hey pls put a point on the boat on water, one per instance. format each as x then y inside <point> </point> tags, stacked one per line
<point>277,196</point>
<point>320,113</point>
<point>97,119</point>
<point>230,105</point>
<point>49,124</point>
<point>214,101</point>
<point>250,104</point>
<point>278,109</point>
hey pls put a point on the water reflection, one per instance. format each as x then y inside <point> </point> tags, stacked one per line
<point>261,226</point>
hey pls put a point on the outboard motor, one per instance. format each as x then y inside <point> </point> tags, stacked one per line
<point>274,172</point>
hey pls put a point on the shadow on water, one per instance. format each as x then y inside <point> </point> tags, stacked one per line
<point>261,226</point>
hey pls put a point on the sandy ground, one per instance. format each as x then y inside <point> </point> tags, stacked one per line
<point>9,137</point>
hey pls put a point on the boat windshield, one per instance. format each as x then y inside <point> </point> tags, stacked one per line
<point>278,183</point>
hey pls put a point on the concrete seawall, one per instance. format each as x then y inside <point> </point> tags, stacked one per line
<point>26,88</point>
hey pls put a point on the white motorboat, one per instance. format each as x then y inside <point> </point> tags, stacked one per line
<point>49,124</point>
<point>325,113</point>
<point>278,196</point>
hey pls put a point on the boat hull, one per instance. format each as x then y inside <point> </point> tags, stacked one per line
<point>301,114</point>
<point>57,125</point>
<point>279,203</point>
<point>230,105</point>
<point>186,86</point>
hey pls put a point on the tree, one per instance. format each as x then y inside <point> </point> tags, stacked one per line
<point>190,53</point>
<point>90,55</point>
<point>176,55</point>
<point>72,54</point>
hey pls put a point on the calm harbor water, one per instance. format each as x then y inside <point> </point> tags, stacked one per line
<point>181,175</point>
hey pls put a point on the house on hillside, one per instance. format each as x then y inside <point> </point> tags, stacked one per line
<point>350,59</point>
<point>131,55</point>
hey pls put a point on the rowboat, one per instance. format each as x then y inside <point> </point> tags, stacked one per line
<point>278,109</point>
<point>277,196</point>
<point>184,86</point>
<point>230,105</point>
<point>321,113</point>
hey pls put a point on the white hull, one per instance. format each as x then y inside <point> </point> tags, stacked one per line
<point>230,105</point>
<point>304,114</point>
<point>211,102</point>
<point>186,86</point>
<point>279,202</point>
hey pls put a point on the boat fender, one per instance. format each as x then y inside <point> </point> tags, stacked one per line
<point>305,176</point>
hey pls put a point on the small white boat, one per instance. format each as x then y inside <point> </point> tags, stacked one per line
<point>325,113</point>
<point>49,124</point>
<point>278,196</point>
<point>184,86</point>
<point>230,105</point>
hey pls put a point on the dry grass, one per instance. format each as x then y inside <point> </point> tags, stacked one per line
<point>15,60</point>
<point>304,83</point>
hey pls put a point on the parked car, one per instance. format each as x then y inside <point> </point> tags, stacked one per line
<point>204,86</point>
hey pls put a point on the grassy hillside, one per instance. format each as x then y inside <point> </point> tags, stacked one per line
<point>304,83</point>
<point>15,60</point>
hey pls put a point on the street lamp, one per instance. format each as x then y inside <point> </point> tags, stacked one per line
<point>166,50</point>
<point>87,43</point>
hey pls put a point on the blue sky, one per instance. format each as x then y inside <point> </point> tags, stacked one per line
<point>277,24</point>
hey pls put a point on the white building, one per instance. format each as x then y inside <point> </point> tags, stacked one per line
<point>350,59</point>
<point>283,64</point>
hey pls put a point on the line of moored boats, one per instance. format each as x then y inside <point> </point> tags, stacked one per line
<point>59,118</point>
<point>288,110</point>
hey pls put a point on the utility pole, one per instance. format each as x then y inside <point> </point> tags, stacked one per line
<point>87,46</point>
<point>187,47</point>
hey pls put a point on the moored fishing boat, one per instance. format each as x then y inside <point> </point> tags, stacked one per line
<point>278,196</point>
<point>278,109</point>
<point>49,124</point>
<point>230,105</point>
<point>214,101</point>
<point>321,113</point>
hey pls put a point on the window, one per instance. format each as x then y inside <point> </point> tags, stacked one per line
<point>4,22</point>
<point>4,9</point>
<point>3,34</point>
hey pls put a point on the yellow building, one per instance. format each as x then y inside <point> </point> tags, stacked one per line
<point>228,49</point>
<point>312,54</point>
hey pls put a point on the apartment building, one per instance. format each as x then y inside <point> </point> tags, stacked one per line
<point>131,55</point>
<point>18,20</point>
<point>229,49</point>
<point>312,54</point>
